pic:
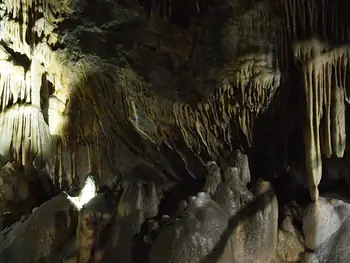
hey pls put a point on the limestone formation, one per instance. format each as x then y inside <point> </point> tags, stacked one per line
<point>124,123</point>
<point>330,242</point>
<point>44,232</point>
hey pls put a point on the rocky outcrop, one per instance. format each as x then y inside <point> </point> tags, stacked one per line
<point>226,222</point>
<point>111,226</point>
<point>328,241</point>
<point>40,236</point>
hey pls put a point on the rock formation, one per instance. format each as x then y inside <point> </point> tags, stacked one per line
<point>174,131</point>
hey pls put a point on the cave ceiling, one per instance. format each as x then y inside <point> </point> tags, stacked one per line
<point>176,83</point>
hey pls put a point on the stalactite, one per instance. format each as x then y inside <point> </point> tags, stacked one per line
<point>44,27</point>
<point>321,65</point>
<point>13,32</point>
<point>327,141</point>
<point>313,162</point>
<point>13,84</point>
<point>338,121</point>
<point>256,80</point>
<point>52,9</point>
<point>17,83</point>
<point>254,77</point>
<point>24,134</point>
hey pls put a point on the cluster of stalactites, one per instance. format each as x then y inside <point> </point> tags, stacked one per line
<point>324,74</point>
<point>24,134</point>
<point>254,79</point>
<point>53,10</point>
<point>199,125</point>
<point>21,79</point>
<point>245,92</point>
<point>14,33</point>
<point>107,96</point>
<point>20,109</point>
<point>17,25</point>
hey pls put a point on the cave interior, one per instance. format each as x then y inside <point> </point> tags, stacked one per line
<point>125,123</point>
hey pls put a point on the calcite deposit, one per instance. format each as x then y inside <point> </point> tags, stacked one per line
<point>174,131</point>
